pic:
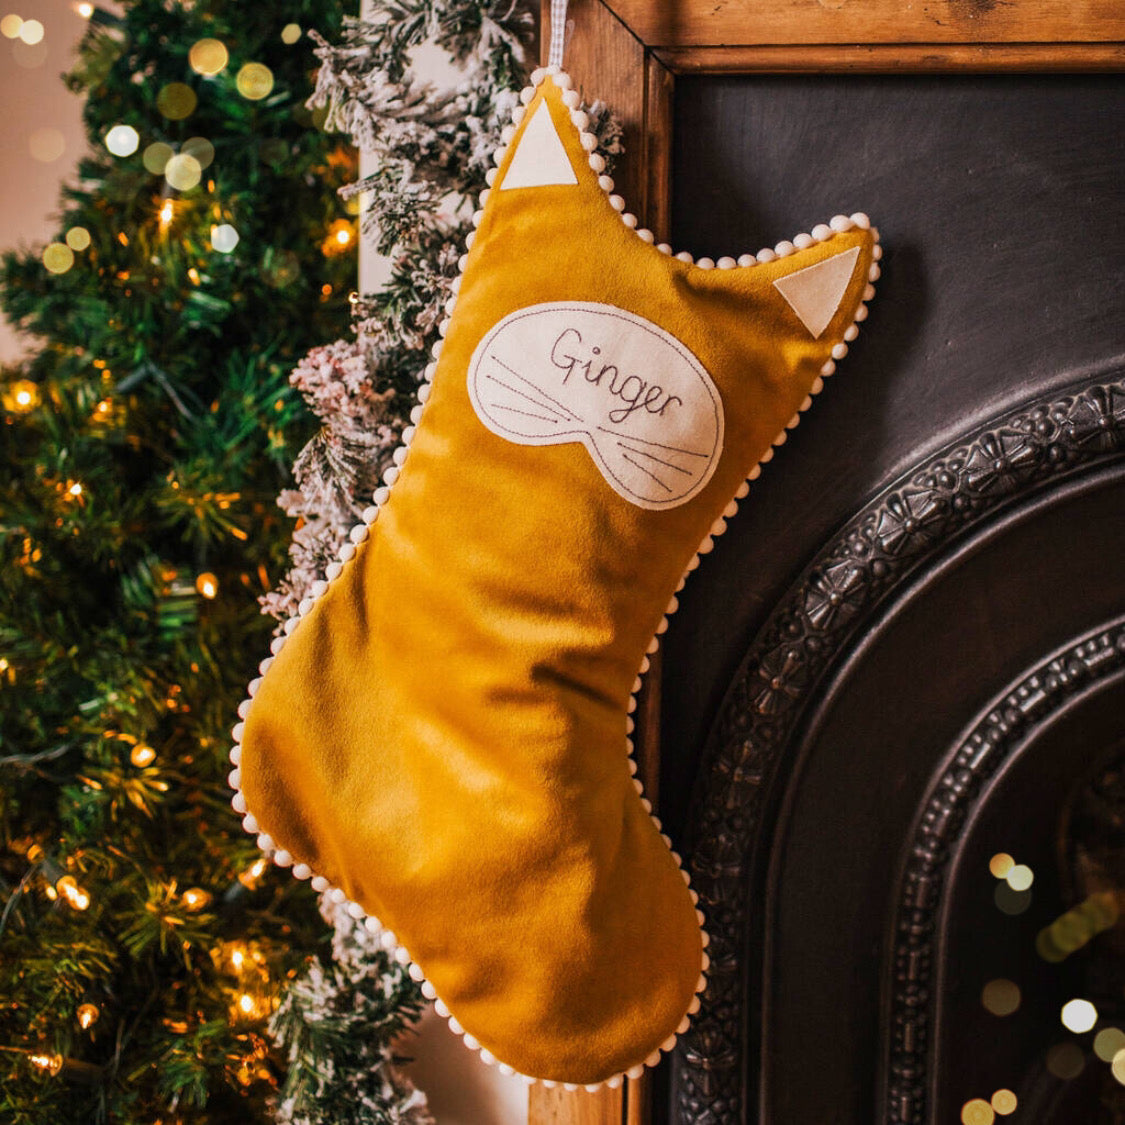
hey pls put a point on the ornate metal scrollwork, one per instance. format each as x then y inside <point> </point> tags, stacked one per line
<point>904,529</point>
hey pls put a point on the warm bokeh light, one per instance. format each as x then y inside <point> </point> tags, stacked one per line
<point>167,213</point>
<point>74,490</point>
<point>58,257</point>
<point>1078,1016</point>
<point>21,396</point>
<point>156,157</point>
<point>199,149</point>
<point>46,145</point>
<point>1000,997</point>
<point>1009,901</point>
<point>246,1002</point>
<point>196,898</point>
<point>1020,877</point>
<point>176,101</point>
<point>1078,926</point>
<point>122,140</point>
<point>31,32</point>
<point>68,887</point>
<point>142,755</point>
<point>78,238</point>
<point>1000,864</point>
<point>85,10</point>
<point>290,33</point>
<point>10,26</point>
<point>977,1112</point>
<point>208,57</point>
<point>254,81</point>
<point>1117,1067</point>
<point>237,958</point>
<point>1066,1060</point>
<point>87,1016</point>
<point>249,878</point>
<point>52,1064</point>
<point>224,238</point>
<point>1004,1102</point>
<point>1108,1043</point>
<point>207,584</point>
<point>183,172</point>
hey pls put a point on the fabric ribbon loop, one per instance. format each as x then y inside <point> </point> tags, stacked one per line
<point>558,32</point>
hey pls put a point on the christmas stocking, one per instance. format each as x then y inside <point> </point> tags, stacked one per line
<point>442,735</point>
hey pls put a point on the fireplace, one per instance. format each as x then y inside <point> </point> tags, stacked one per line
<point>901,674</point>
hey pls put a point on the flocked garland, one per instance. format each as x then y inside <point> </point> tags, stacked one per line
<point>430,151</point>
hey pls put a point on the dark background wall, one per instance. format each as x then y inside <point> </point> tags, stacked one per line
<point>1002,213</point>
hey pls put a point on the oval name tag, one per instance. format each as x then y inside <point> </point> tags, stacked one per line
<point>640,402</point>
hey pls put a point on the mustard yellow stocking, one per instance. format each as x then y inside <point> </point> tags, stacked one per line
<point>442,735</point>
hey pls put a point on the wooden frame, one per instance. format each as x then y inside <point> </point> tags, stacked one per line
<point>629,52</point>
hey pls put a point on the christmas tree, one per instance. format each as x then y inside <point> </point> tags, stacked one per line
<point>202,249</point>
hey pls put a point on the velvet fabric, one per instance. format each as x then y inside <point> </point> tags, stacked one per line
<point>444,735</point>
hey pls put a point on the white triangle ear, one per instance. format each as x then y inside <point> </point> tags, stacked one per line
<point>540,159</point>
<point>815,292</point>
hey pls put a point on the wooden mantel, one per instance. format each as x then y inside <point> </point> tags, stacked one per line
<point>628,53</point>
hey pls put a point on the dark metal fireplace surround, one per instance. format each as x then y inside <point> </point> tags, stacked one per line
<point>908,653</point>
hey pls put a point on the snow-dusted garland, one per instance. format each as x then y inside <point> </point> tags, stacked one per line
<point>821,233</point>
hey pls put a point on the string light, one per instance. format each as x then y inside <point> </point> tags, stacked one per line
<point>142,756</point>
<point>21,396</point>
<point>85,10</point>
<point>52,1064</point>
<point>207,585</point>
<point>88,1016</point>
<point>167,213</point>
<point>74,490</point>
<point>339,237</point>
<point>237,959</point>
<point>208,57</point>
<point>249,878</point>
<point>68,887</point>
<point>195,898</point>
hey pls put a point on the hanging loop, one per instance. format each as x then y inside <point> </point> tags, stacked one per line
<point>558,32</point>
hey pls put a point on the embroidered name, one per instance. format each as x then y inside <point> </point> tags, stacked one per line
<point>640,402</point>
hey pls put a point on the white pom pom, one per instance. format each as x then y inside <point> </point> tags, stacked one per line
<point>606,184</point>
<point>645,235</point>
<point>441,1009</point>
<point>347,552</point>
<point>727,263</point>
<point>318,588</point>
<point>840,223</point>
<point>370,514</point>
<point>818,385</point>
<point>839,351</point>
<point>390,475</point>
<point>416,413</point>
<point>731,510</point>
<point>579,119</point>
<point>265,842</point>
<point>244,708</point>
<point>234,778</point>
<point>828,369</point>
<point>355,910</point>
<point>428,990</point>
<point>415,972</point>
<point>861,313</point>
<point>319,884</point>
<point>471,1041</point>
<point>301,871</point>
<point>617,203</point>
<point>635,1072</point>
<point>861,220</point>
<point>766,457</point>
<point>803,241</point>
<point>588,141</point>
<point>781,438</point>
<point>250,824</point>
<point>822,232</point>
<point>518,114</point>
<point>357,535</point>
<point>455,1026</point>
<point>747,260</point>
<point>794,422</point>
<point>783,249</point>
<point>337,896</point>
<point>874,273</point>
<point>490,179</point>
<point>684,256</point>
<point>277,644</point>
<point>571,99</point>
<point>264,666</point>
<point>597,162</point>
<point>332,571</point>
<point>282,858</point>
<point>371,925</point>
<point>766,255</point>
<point>235,755</point>
<point>705,263</point>
<point>744,487</point>
<point>664,248</point>
<point>629,220</point>
<point>238,803</point>
<point>707,546</point>
<point>424,392</point>
<point>662,628</point>
<point>388,940</point>
<point>718,527</point>
<point>851,333</point>
<point>237,731</point>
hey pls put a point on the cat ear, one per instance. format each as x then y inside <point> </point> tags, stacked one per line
<point>815,292</point>
<point>540,160</point>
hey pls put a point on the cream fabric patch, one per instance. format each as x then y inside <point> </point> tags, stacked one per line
<point>540,159</point>
<point>815,292</point>
<point>644,407</point>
